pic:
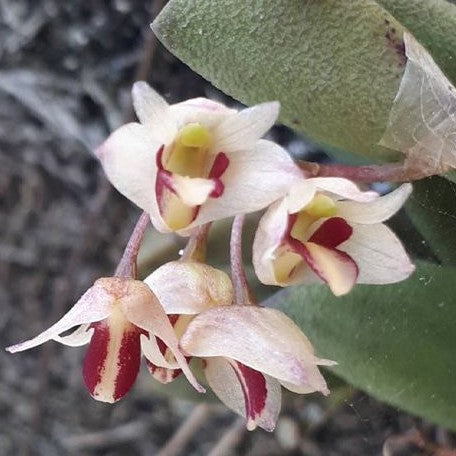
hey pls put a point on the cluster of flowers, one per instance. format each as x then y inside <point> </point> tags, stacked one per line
<point>187,165</point>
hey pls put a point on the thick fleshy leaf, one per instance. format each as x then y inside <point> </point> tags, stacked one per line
<point>241,131</point>
<point>263,339</point>
<point>144,310</point>
<point>376,211</point>
<point>112,361</point>
<point>437,34</point>
<point>379,254</point>
<point>393,341</point>
<point>254,179</point>
<point>190,287</point>
<point>247,392</point>
<point>128,157</point>
<point>339,95</point>
<point>432,209</point>
<point>153,112</point>
<point>422,121</point>
<point>94,305</point>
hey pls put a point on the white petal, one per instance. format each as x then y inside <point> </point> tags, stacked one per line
<point>128,157</point>
<point>241,131</point>
<point>343,188</point>
<point>201,110</point>
<point>143,309</point>
<point>78,337</point>
<point>300,195</point>
<point>379,254</point>
<point>375,211</point>
<point>151,351</point>
<point>225,381</point>
<point>253,180</point>
<point>153,112</point>
<point>268,237</point>
<point>263,339</point>
<point>94,305</point>
<point>189,287</point>
<point>193,191</point>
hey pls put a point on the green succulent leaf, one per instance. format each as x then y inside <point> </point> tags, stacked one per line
<point>394,342</point>
<point>335,66</point>
<point>432,209</point>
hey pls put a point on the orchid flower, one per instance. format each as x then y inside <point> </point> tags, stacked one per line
<point>113,316</point>
<point>327,230</point>
<point>116,317</point>
<point>248,351</point>
<point>196,161</point>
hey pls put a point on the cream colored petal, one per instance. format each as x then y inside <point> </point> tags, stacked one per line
<point>78,337</point>
<point>343,189</point>
<point>230,385</point>
<point>375,211</point>
<point>241,131</point>
<point>193,191</point>
<point>94,305</point>
<point>151,351</point>
<point>268,237</point>
<point>201,110</point>
<point>128,157</point>
<point>263,339</point>
<point>142,308</point>
<point>333,266</point>
<point>154,113</point>
<point>189,287</point>
<point>379,254</point>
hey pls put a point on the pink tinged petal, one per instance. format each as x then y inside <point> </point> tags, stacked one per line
<point>379,254</point>
<point>254,179</point>
<point>268,238</point>
<point>376,211</point>
<point>190,287</point>
<point>241,131</point>
<point>78,337</point>
<point>333,266</point>
<point>128,157</point>
<point>200,110</point>
<point>154,112</point>
<point>94,305</point>
<point>112,361</point>
<point>144,310</point>
<point>247,392</point>
<point>264,339</point>
<point>332,233</point>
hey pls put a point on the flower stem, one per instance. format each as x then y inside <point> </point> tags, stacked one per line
<point>195,250</point>
<point>389,172</point>
<point>127,265</point>
<point>242,293</point>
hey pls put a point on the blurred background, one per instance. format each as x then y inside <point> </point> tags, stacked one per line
<point>65,78</point>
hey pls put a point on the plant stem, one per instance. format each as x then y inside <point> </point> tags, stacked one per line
<point>389,172</point>
<point>127,266</point>
<point>242,293</point>
<point>195,250</point>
